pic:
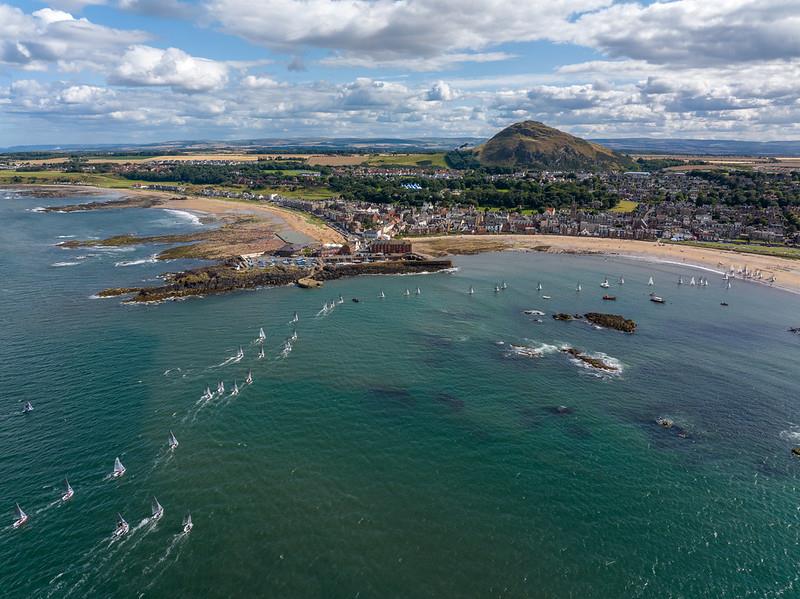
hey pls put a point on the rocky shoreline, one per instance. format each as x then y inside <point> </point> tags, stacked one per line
<point>126,202</point>
<point>225,278</point>
<point>609,321</point>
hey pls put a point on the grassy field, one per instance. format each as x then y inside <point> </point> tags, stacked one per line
<point>625,206</point>
<point>45,177</point>
<point>114,182</point>
<point>745,248</point>
<point>436,160</point>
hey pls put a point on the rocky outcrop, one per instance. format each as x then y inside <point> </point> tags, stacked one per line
<point>586,359</point>
<point>225,278</point>
<point>331,272</point>
<point>128,202</point>
<point>611,321</point>
<point>562,316</point>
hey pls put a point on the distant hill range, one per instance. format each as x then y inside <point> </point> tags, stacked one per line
<point>534,145</point>
<point>701,147</point>
<point>528,143</point>
<point>308,144</point>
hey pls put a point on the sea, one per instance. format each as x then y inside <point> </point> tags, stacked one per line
<point>437,444</point>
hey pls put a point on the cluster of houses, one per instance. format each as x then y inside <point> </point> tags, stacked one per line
<point>673,220</point>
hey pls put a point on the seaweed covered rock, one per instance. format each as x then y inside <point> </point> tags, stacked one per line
<point>611,321</point>
<point>586,359</point>
<point>563,316</point>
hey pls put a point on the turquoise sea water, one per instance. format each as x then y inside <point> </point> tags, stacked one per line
<point>398,450</point>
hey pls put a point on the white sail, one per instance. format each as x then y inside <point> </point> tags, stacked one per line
<point>650,282</point>
<point>187,523</point>
<point>578,288</point>
<point>249,379</point>
<point>622,280</point>
<point>407,292</point>
<point>680,280</point>
<point>21,515</point>
<point>692,282</point>
<point>605,284</point>
<point>294,336</point>
<point>496,289</point>
<point>261,353</point>
<point>381,294</point>
<point>471,290</point>
<point>122,526</point>
<point>504,285</point>
<point>539,287</point>
<point>119,469</point>
<point>221,388</point>
<point>68,490</point>
<point>158,510</point>
<point>173,442</point>
<point>419,291</point>
<point>296,317</point>
<point>240,353</point>
<point>261,334</point>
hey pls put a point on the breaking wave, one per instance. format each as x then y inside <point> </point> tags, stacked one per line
<point>149,260</point>
<point>187,216</point>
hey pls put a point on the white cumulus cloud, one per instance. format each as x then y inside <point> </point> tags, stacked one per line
<point>144,65</point>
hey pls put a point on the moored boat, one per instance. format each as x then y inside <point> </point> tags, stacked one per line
<point>610,297</point>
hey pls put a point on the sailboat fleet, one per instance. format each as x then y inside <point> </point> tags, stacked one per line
<point>122,527</point>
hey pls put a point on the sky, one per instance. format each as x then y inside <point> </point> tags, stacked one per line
<point>140,71</point>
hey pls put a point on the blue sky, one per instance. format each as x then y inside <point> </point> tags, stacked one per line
<point>107,71</point>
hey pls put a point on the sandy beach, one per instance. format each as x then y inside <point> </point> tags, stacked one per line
<point>786,272</point>
<point>219,207</point>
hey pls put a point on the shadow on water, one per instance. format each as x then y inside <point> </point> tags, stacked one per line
<point>451,401</point>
